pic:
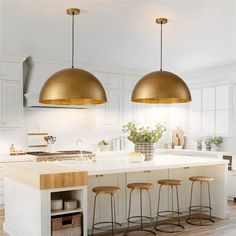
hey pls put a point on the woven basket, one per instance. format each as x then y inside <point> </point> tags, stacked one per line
<point>147,149</point>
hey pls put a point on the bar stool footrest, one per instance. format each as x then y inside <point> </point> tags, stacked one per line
<point>200,221</point>
<point>159,214</point>
<point>181,228</point>
<point>138,218</point>
<point>104,223</point>
<point>199,208</point>
<point>140,230</point>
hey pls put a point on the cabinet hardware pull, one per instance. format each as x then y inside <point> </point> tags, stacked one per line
<point>186,167</point>
<point>147,171</point>
<point>101,175</point>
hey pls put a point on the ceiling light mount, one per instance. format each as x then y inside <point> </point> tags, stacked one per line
<point>73,11</point>
<point>161,21</point>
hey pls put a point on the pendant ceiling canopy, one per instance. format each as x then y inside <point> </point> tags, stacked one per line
<point>72,86</point>
<point>161,86</point>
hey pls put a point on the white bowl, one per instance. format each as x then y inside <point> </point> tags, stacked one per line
<point>56,204</point>
<point>136,158</point>
<point>178,147</point>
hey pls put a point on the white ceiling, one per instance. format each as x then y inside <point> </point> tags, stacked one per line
<point>201,34</point>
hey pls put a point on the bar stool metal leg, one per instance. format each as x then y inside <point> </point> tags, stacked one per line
<point>175,227</point>
<point>141,217</point>
<point>200,220</point>
<point>94,212</point>
<point>113,216</point>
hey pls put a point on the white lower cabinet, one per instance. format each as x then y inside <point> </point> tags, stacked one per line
<point>231,184</point>
<point>149,177</point>
<point>184,190</point>
<point>103,209</point>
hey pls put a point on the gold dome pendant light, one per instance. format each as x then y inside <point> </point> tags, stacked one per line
<point>161,86</point>
<point>72,86</point>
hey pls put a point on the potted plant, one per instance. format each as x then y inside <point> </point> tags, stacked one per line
<point>103,145</point>
<point>144,138</point>
<point>208,142</point>
<point>199,143</point>
<point>217,141</point>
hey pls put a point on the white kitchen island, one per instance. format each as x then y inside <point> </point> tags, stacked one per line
<point>119,172</point>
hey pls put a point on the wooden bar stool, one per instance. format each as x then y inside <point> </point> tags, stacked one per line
<point>106,190</point>
<point>131,219</point>
<point>200,221</point>
<point>175,227</point>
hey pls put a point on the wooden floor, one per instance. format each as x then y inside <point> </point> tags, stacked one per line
<point>220,228</point>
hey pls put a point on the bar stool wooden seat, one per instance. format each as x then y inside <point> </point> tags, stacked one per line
<point>200,220</point>
<point>163,226</point>
<point>111,190</point>
<point>131,219</point>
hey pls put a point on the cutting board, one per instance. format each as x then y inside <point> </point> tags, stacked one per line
<point>178,138</point>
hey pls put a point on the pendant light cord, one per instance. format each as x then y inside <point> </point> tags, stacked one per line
<point>73,38</point>
<point>161,50</point>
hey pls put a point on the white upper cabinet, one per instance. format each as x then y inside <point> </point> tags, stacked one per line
<point>110,80</point>
<point>11,94</point>
<point>109,115</point>
<point>208,99</point>
<point>12,105</point>
<point>196,103</point>
<point>10,71</point>
<point>222,97</point>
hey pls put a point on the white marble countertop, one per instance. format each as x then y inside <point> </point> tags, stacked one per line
<point>194,152</point>
<point>121,164</point>
<point>5,158</point>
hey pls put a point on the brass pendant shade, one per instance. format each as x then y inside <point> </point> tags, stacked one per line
<point>161,86</point>
<point>72,86</point>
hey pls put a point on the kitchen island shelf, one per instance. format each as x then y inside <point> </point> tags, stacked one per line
<point>64,212</point>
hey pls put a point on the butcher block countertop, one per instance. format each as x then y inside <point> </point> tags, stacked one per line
<point>58,174</point>
<point>44,175</point>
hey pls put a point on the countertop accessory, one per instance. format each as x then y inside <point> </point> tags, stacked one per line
<point>103,145</point>
<point>72,86</point>
<point>56,204</point>
<point>136,157</point>
<point>161,86</point>
<point>70,204</point>
<point>178,138</point>
<point>144,138</point>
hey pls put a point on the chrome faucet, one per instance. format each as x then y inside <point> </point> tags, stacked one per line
<point>79,143</point>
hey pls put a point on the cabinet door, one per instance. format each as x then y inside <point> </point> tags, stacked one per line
<point>128,108</point>
<point>196,104</point>
<point>208,122</point>
<point>12,105</point>
<point>117,180</point>
<point>222,97</point>
<point>109,115</point>
<point>11,71</point>
<point>149,177</point>
<point>93,181</point>
<point>208,99</point>
<point>195,122</point>
<point>231,186</point>
<point>222,122</point>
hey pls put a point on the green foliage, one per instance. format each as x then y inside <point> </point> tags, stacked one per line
<point>217,140</point>
<point>103,142</point>
<point>199,140</point>
<point>143,134</point>
<point>208,140</point>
